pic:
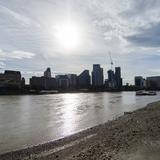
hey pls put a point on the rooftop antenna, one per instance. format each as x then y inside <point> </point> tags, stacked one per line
<point>111,61</point>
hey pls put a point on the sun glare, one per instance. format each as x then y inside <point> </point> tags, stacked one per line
<point>68,36</point>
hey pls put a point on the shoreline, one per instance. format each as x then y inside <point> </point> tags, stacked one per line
<point>48,92</point>
<point>62,92</point>
<point>106,140</point>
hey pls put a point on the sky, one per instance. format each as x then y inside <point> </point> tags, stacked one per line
<point>72,35</point>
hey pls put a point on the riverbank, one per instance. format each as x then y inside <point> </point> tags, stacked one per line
<point>45,92</point>
<point>134,136</point>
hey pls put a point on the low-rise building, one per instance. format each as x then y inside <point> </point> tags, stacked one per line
<point>43,83</point>
<point>11,79</point>
<point>72,81</point>
<point>13,75</point>
<point>62,82</point>
<point>153,82</point>
<point>139,82</point>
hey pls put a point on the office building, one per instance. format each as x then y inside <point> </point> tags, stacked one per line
<point>139,82</point>
<point>111,79</point>
<point>43,83</point>
<point>114,80</point>
<point>37,83</point>
<point>50,84</point>
<point>118,79</point>
<point>62,82</point>
<point>13,76</point>
<point>84,80</point>
<point>153,82</point>
<point>47,73</point>
<point>97,76</point>
<point>11,80</point>
<point>72,81</point>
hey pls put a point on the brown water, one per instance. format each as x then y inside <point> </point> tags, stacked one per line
<point>31,120</point>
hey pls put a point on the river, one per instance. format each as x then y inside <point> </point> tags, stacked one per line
<point>33,119</point>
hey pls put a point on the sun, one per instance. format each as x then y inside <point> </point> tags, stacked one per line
<point>68,36</point>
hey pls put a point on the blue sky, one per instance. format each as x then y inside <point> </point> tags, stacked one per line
<point>128,29</point>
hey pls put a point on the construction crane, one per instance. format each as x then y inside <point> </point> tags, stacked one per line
<point>111,61</point>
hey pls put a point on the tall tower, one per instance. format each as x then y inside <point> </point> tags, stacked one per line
<point>111,79</point>
<point>47,73</point>
<point>97,76</point>
<point>118,78</point>
<point>84,79</point>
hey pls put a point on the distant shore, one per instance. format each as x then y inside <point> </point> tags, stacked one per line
<point>91,90</point>
<point>135,135</point>
<point>44,92</point>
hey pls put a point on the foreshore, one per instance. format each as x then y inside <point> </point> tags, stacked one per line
<point>133,136</point>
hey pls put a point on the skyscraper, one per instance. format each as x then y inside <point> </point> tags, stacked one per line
<point>114,80</point>
<point>47,73</point>
<point>111,79</point>
<point>84,79</point>
<point>97,76</point>
<point>118,79</point>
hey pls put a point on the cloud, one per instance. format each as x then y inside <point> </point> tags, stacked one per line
<point>143,19</point>
<point>154,71</point>
<point>17,54</point>
<point>20,18</point>
<point>2,65</point>
<point>149,37</point>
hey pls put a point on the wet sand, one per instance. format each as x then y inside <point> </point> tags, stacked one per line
<point>134,136</point>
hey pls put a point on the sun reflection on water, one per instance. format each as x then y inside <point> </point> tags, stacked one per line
<point>70,117</point>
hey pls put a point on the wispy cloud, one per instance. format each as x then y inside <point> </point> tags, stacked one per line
<point>21,19</point>
<point>17,54</point>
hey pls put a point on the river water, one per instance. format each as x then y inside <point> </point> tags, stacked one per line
<point>34,119</point>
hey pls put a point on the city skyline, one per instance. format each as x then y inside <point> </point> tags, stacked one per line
<point>31,40</point>
<point>12,81</point>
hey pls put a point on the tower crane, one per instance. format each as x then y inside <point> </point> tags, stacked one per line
<point>111,61</point>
